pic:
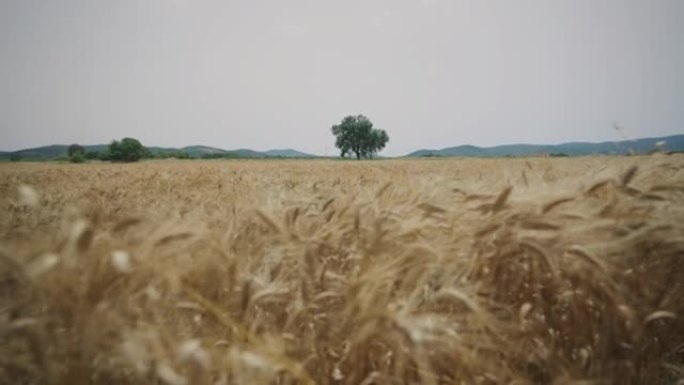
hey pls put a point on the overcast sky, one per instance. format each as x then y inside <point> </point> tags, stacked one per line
<point>277,74</point>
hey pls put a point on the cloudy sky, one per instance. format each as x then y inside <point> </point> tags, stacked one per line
<point>267,74</point>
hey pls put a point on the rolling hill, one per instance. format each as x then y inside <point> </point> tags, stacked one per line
<point>288,153</point>
<point>48,152</point>
<point>57,151</point>
<point>200,150</point>
<point>674,143</point>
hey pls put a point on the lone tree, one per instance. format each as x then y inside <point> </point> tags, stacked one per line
<point>126,150</point>
<point>74,149</point>
<point>76,153</point>
<point>355,134</point>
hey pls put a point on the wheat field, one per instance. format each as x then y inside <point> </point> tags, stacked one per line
<point>426,271</point>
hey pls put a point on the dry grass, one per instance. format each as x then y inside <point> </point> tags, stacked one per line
<point>549,271</point>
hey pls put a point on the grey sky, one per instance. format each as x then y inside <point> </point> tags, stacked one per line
<point>275,74</point>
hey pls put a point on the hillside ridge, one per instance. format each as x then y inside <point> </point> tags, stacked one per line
<point>672,143</point>
<point>55,151</point>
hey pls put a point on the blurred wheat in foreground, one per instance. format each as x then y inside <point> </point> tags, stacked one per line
<point>506,271</point>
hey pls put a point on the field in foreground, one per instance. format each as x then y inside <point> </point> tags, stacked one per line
<point>549,271</point>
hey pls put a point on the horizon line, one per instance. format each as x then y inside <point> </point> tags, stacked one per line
<point>317,154</point>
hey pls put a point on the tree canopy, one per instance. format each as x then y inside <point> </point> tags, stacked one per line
<point>76,153</point>
<point>356,135</point>
<point>74,149</point>
<point>126,150</point>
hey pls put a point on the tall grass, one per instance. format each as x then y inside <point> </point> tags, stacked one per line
<point>537,271</point>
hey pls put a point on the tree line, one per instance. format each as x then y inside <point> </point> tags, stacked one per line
<point>124,150</point>
<point>355,136</point>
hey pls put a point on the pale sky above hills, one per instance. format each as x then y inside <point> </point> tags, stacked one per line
<point>277,74</point>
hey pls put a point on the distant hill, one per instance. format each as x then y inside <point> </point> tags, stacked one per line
<point>673,143</point>
<point>288,153</point>
<point>202,150</point>
<point>246,153</point>
<point>198,151</point>
<point>48,152</point>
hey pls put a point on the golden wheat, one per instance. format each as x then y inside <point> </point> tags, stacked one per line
<point>525,271</point>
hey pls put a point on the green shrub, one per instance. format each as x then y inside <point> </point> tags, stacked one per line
<point>77,157</point>
<point>127,150</point>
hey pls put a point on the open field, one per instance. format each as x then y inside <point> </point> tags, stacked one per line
<point>426,271</point>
